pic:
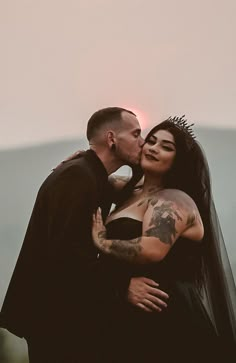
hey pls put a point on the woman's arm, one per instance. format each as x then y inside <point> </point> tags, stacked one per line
<point>164,221</point>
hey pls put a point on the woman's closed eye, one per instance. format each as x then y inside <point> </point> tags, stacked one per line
<point>151,142</point>
<point>167,148</point>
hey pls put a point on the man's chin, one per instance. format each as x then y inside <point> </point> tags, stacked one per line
<point>134,163</point>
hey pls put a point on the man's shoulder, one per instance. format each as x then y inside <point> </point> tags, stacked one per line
<point>71,173</point>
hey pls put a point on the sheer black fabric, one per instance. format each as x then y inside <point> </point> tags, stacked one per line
<point>212,275</point>
<point>181,333</point>
<point>219,286</point>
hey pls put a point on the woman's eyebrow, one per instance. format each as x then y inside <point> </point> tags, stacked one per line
<point>170,142</point>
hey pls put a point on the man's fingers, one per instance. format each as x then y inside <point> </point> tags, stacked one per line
<point>158,302</point>
<point>150,282</point>
<point>143,307</point>
<point>150,305</point>
<point>157,292</point>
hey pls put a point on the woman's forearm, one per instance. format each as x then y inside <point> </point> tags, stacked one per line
<point>138,250</point>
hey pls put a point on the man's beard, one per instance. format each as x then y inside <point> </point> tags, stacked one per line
<point>123,158</point>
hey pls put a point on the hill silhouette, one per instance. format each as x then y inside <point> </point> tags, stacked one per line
<point>24,169</point>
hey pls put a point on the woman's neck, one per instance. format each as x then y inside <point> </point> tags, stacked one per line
<point>152,184</point>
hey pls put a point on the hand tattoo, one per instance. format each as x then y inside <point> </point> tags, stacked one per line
<point>101,239</point>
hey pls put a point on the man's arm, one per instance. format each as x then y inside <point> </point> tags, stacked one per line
<point>74,260</point>
<point>99,279</point>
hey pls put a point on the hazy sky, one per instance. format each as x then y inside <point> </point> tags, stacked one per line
<point>62,60</point>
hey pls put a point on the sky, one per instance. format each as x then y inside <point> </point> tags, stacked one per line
<point>61,60</point>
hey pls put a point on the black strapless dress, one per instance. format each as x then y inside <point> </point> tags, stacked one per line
<point>183,332</point>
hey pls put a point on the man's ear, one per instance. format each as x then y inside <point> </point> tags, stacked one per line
<point>111,139</point>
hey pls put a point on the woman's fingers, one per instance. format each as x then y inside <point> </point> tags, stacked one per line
<point>98,218</point>
<point>99,215</point>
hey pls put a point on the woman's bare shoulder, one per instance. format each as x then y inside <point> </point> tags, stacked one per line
<point>180,206</point>
<point>176,195</point>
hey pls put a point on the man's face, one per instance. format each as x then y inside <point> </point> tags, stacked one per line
<point>129,141</point>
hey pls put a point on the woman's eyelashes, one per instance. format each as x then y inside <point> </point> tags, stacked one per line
<point>151,142</point>
<point>165,147</point>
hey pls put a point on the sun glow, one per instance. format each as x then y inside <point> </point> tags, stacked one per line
<point>141,116</point>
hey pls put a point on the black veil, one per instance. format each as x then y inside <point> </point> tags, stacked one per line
<point>219,286</point>
<point>214,279</point>
<point>217,282</point>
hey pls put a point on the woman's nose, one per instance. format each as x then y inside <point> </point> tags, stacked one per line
<point>154,149</point>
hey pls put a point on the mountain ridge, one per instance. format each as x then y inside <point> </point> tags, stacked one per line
<point>23,170</point>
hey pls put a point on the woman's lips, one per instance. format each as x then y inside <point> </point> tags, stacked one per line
<point>151,157</point>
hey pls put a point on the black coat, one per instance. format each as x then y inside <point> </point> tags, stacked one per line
<point>60,287</point>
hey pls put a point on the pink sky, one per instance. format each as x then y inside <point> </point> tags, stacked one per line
<point>62,60</point>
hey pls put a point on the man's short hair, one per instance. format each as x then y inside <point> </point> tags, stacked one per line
<point>102,117</point>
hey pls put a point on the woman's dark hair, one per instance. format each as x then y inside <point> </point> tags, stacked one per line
<point>190,174</point>
<point>189,171</point>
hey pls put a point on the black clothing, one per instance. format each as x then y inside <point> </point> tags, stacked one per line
<point>60,290</point>
<point>181,333</point>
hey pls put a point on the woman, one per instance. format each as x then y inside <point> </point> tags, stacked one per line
<point>167,230</point>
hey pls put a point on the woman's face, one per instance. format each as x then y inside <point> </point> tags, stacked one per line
<point>158,152</point>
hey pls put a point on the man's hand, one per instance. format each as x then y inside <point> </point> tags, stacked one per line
<point>144,293</point>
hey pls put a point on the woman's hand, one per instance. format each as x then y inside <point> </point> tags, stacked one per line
<point>99,231</point>
<point>71,157</point>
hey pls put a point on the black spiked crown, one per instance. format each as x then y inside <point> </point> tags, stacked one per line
<point>182,125</point>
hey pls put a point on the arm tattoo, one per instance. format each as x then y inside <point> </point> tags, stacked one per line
<point>123,249</point>
<point>163,222</point>
<point>102,238</point>
<point>127,249</point>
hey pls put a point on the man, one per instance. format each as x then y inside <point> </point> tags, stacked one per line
<point>60,294</point>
